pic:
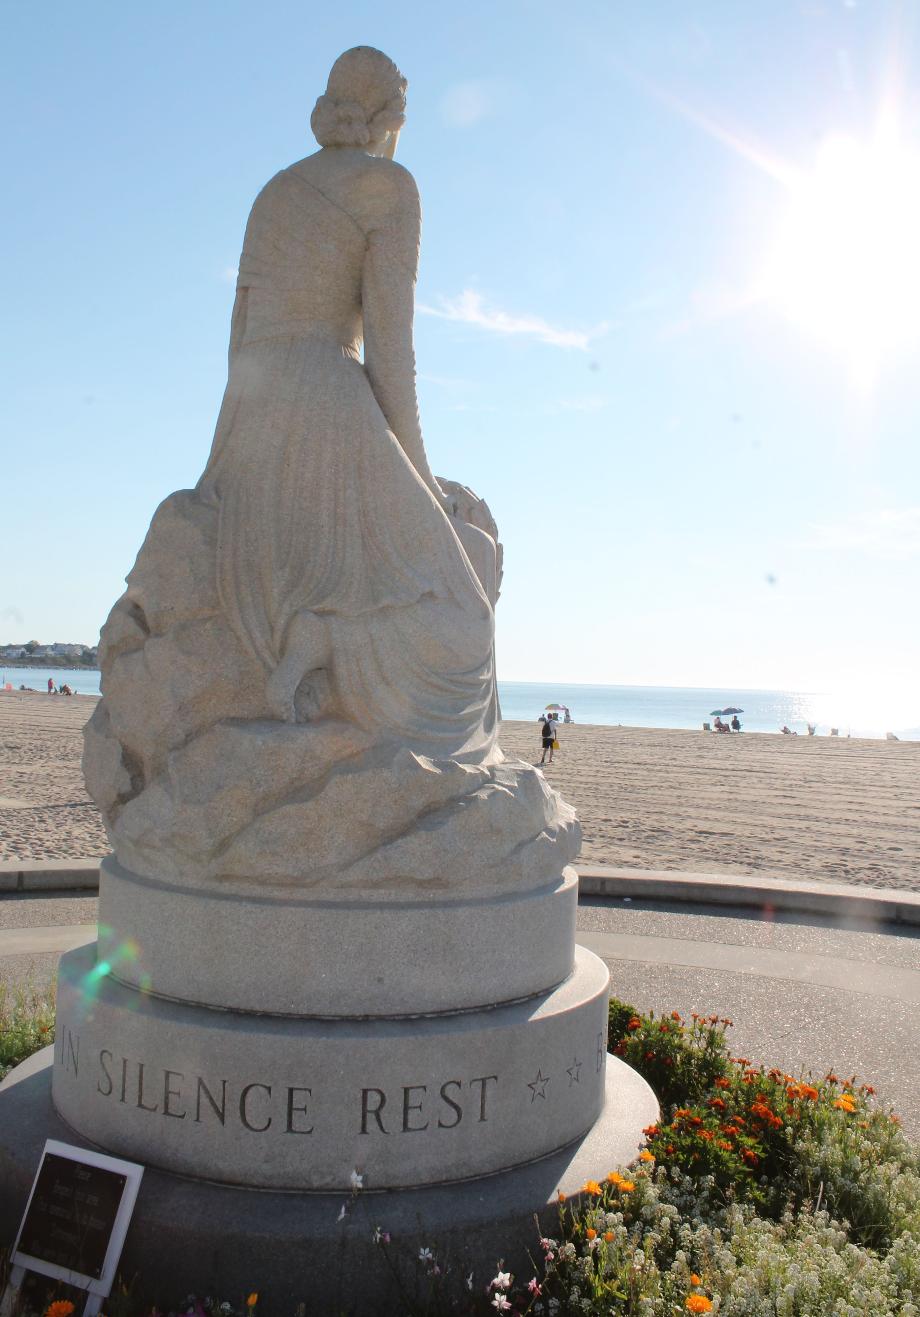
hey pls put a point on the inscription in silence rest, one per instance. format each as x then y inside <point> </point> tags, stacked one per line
<point>71,1215</point>
<point>258,1107</point>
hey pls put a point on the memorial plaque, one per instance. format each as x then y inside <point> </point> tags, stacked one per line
<point>72,1214</point>
<point>76,1218</point>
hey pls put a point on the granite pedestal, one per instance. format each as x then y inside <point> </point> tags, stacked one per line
<point>192,1236</point>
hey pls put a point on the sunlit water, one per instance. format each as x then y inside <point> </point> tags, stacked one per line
<point>872,713</point>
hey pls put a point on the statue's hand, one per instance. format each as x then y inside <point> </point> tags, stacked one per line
<point>447,501</point>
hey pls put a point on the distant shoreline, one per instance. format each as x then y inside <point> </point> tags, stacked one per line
<point>42,661</point>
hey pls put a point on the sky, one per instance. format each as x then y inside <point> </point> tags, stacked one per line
<point>667,312</point>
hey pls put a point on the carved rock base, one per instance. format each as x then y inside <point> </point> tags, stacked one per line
<point>293,1103</point>
<point>188,1235</point>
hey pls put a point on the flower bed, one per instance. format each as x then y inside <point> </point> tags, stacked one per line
<point>758,1194</point>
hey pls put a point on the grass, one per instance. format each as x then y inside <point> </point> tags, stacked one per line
<point>26,1022</point>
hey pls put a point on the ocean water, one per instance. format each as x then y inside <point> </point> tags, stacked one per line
<point>870,714</point>
<point>690,707</point>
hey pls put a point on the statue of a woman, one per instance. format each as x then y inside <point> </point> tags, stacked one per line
<point>299,680</point>
<point>338,564</point>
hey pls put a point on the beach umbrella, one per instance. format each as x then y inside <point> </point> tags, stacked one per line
<point>731,709</point>
<point>557,708</point>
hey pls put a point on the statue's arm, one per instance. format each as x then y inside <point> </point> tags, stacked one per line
<point>388,307</point>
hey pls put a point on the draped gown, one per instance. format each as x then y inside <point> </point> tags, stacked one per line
<point>318,470</point>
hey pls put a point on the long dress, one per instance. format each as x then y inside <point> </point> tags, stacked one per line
<point>320,507</point>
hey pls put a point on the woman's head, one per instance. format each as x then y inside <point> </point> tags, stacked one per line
<point>364,103</point>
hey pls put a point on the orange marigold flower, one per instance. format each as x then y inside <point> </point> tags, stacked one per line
<point>707,1135</point>
<point>675,1015</point>
<point>748,1156</point>
<point>681,1113</point>
<point>253,1299</point>
<point>831,1078</point>
<point>560,1197</point>
<point>590,1233</point>
<point>845,1103</point>
<point>60,1308</point>
<point>626,1186</point>
<point>809,1091</point>
<point>650,1131</point>
<point>669,1150</point>
<point>698,1303</point>
<point>614,1177</point>
<point>724,1143</point>
<point>717,1103</point>
<point>695,1279</point>
<point>591,1187</point>
<point>646,1156</point>
<point>608,1236</point>
<point>721,1082</point>
<point>635,1023</point>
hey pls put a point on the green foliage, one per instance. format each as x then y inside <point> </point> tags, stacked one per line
<point>766,1137</point>
<point>26,1023</point>
<point>681,1061</point>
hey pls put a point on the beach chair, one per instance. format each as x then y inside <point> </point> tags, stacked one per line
<point>707,727</point>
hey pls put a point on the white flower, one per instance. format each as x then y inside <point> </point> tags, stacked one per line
<point>469,1281</point>
<point>356,1181</point>
<point>341,1215</point>
<point>502,1281</point>
<point>501,1303</point>
<point>425,1255</point>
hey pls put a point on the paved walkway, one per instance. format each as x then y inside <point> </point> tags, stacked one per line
<point>804,991</point>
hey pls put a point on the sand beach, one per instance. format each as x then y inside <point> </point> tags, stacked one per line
<point>818,808</point>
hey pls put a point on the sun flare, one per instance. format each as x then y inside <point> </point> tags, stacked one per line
<point>845,267</point>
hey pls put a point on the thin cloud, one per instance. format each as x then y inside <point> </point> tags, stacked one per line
<point>470,309</point>
<point>466,103</point>
<point>892,534</point>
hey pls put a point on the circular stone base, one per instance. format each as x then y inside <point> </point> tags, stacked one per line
<point>190,1236</point>
<point>290,953</point>
<point>275,1102</point>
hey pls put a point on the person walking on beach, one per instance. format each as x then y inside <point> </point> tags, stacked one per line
<point>50,685</point>
<point>550,727</point>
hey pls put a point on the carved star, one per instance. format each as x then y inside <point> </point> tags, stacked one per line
<point>572,1071</point>
<point>538,1087</point>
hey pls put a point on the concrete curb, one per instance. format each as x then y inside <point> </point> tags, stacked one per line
<point>49,876</point>
<point>838,900</point>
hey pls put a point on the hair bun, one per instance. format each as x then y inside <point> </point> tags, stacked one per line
<point>339,123</point>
